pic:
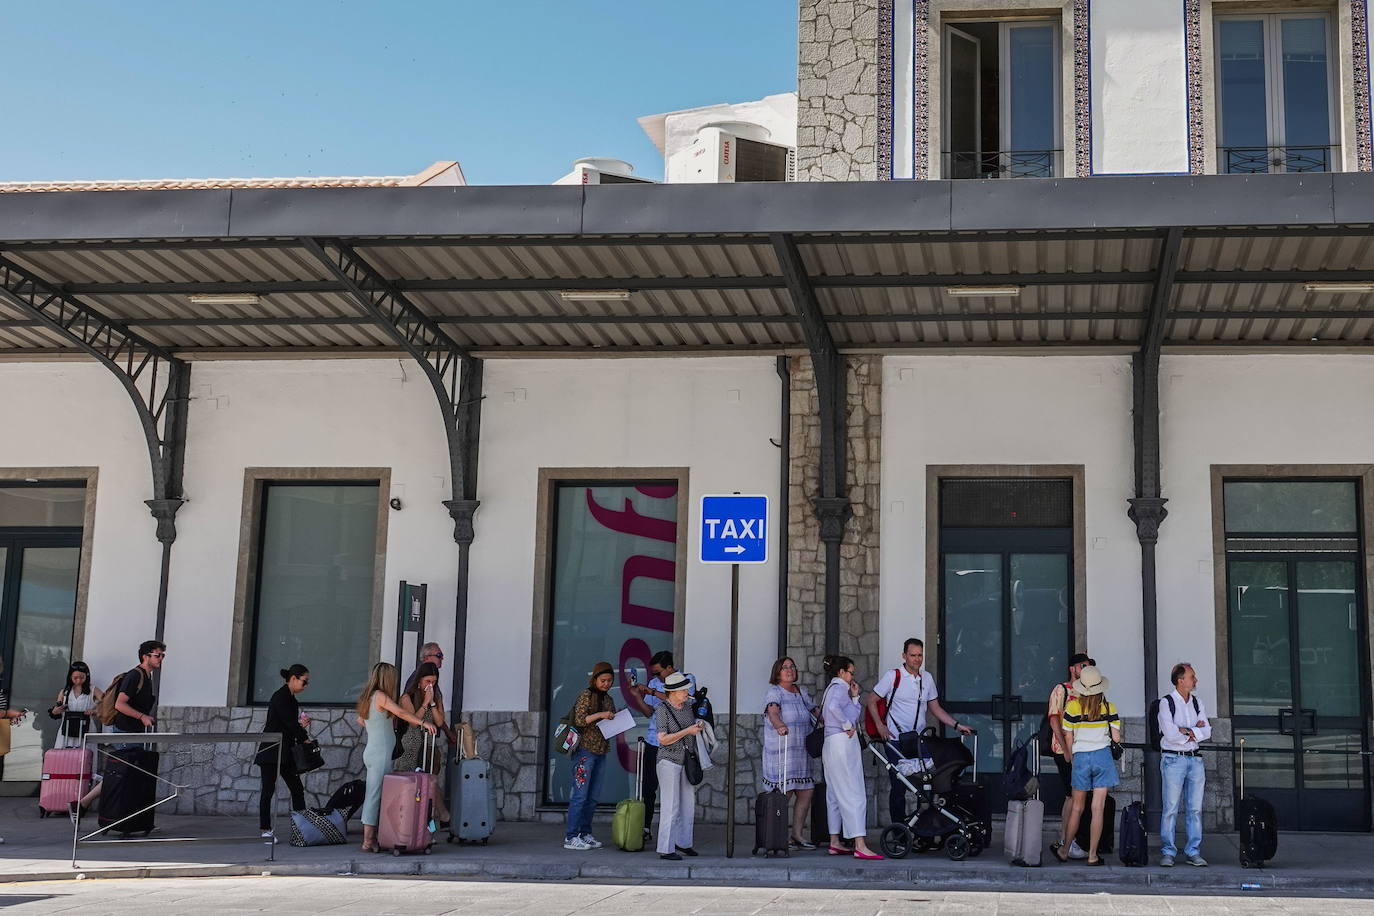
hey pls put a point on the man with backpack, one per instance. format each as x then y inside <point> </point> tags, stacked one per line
<point>1178,724</point>
<point>1054,718</point>
<point>900,702</point>
<point>131,712</point>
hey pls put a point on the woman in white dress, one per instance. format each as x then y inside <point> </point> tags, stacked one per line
<point>75,703</point>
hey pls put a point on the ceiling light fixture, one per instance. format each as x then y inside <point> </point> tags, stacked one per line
<point>594,295</point>
<point>960,292</point>
<point>1337,286</point>
<point>224,298</point>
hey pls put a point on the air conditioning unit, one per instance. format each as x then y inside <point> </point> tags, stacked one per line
<point>732,151</point>
<point>602,170</point>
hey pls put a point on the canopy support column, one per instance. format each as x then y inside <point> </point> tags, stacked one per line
<point>456,377</point>
<point>1146,509</point>
<point>833,509</point>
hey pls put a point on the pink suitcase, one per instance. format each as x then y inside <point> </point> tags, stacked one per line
<point>407,812</point>
<point>66,777</point>
<point>407,821</point>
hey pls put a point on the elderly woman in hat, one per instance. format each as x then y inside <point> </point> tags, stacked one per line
<point>589,760</point>
<point>677,798</point>
<point>1090,726</point>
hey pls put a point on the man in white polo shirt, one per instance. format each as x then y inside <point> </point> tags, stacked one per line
<point>911,697</point>
<point>1182,724</point>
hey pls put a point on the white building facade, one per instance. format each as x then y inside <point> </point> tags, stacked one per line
<point>954,402</point>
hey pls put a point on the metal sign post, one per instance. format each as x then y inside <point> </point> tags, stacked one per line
<point>734,530</point>
<point>410,618</point>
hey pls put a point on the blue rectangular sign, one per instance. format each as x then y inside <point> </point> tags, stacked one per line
<point>734,529</point>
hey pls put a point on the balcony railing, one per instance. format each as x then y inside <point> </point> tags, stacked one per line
<point>1249,160</point>
<point>1040,163</point>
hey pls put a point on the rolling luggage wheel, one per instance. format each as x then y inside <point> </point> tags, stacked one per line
<point>429,850</point>
<point>484,841</point>
<point>897,841</point>
<point>957,847</point>
<point>42,813</point>
<point>396,851</point>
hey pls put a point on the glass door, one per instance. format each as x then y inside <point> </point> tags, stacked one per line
<point>1296,625</point>
<point>1006,632</point>
<point>39,569</point>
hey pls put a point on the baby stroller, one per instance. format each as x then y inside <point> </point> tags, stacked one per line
<point>947,813</point>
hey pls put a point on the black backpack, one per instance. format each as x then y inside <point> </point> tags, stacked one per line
<point>703,708</point>
<point>1152,719</point>
<point>1016,779</point>
<point>1046,734</point>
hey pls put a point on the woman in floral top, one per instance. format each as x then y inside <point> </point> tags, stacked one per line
<point>589,759</point>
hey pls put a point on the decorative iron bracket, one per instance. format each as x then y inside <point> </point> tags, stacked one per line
<point>158,383</point>
<point>454,374</point>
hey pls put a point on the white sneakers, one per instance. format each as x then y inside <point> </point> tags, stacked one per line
<point>585,841</point>
<point>1076,851</point>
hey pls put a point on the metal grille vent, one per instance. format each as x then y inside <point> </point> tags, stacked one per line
<point>758,161</point>
<point>1006,502</point>
<point>1292,545</point>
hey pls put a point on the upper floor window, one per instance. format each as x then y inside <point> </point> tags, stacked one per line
<point>1275,106</point>
<point>1002,100</point>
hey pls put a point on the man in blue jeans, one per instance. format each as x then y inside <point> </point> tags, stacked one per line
<point>1182,725</point>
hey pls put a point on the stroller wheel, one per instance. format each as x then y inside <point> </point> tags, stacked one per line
<point>957,847</point>
<point>897,841</point>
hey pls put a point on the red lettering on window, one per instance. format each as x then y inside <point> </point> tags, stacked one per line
<point>629,521</point>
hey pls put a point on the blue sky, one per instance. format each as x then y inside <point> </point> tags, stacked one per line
<point>514,90</point>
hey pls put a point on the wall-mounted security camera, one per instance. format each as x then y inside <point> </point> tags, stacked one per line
<point>395,503</point>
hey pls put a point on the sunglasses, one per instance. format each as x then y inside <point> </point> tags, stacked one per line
<point>158,654</point>
<point>438,655</point>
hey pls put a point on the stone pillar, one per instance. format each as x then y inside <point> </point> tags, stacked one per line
<point>859,549</point>
<point>837,90</point>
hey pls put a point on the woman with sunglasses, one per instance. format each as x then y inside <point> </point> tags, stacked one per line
<point>75,703</point>
<point>284,717</point>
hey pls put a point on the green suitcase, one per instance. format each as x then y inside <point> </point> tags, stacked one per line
<point>627,827</point>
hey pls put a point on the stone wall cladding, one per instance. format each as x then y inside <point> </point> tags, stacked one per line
<point>859,551</point>
<point>222,779</point>
<point>837,90</point>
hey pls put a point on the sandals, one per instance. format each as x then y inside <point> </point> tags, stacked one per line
<point>800,844</point>
<point>837,851</point>
<point>1054,851</point>
<point>1100,861</point>
<point>373,848</point>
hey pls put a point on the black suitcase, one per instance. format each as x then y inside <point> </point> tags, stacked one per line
<point>1135,846</point>
<point>1085,825</point>
<point>130,786</point>
<point>770,818</point>
<point>1259,831</point>
<point>820,816</point>
<point>973,803</point>
<point>1257,823</point>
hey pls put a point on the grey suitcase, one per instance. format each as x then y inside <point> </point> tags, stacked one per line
<point>472,805</point>
<point>1024,838</point>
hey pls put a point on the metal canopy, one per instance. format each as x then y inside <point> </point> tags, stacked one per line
<point>486,265</point>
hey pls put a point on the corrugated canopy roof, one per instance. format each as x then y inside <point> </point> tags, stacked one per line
<point>701,265</point>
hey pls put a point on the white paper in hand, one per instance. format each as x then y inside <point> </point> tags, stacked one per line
<point>622,723</point>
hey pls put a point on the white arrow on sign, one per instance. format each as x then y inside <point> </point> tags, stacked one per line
<point>737,548</point>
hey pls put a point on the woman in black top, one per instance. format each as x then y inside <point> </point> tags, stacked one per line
<point>284,717</point>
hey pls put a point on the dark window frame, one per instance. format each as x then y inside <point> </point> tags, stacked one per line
<point>259,534</point>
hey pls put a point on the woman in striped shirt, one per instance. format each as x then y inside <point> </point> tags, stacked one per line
<point>1090,726</point>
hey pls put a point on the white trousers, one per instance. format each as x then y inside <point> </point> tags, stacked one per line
<point>845,801</point>
<point>677,806</point>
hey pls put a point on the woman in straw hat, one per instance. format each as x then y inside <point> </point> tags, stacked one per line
<point>1090,726</point>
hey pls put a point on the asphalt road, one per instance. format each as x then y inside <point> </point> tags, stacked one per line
<point>416,897</point>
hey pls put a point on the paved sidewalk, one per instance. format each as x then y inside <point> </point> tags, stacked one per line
<point>40,849</point>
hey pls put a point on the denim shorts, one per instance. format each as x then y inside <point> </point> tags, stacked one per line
<point>1094,770</point>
